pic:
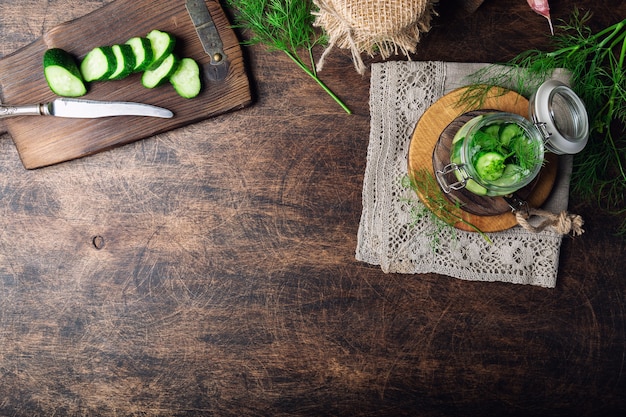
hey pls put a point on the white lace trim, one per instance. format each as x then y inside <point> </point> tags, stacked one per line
<point>400,93</point>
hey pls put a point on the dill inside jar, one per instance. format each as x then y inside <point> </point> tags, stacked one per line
<point>497,154</point>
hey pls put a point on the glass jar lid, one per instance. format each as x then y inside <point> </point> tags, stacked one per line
<point>561,117</point>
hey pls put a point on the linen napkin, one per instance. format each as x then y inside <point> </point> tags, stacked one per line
<point>390,237</point>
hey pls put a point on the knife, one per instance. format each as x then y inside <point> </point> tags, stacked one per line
<point>85,109</point>
<point>212,44</point>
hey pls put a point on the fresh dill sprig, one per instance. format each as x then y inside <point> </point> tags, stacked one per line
<point>596,62</point>
<point>283,25</point>
<point>527,155</point>
<point>518,151</point>
<point>444,214</point>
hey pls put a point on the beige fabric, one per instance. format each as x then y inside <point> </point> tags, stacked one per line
<point>386,27</point>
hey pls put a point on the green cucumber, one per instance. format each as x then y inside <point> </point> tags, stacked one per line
<point>186,78</point>
<point>511,176</point>
<point>62,73</point>
<point>475,187</point>
<point>98,64</point>
<point>492,130</point>
<point>471,185</point>
<point>508,132</point>
<point>125,60</point>
<point>153,55</point>
<point>489,165</point>
<point>156,77</point>
<point>162,46</point>
<point>142,49</point>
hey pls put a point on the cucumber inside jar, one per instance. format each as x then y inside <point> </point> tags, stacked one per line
<point>499,155</point>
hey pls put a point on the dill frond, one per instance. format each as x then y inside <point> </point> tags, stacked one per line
<point>286,26</point>
<point>442,212</point>
<point>596,62</point>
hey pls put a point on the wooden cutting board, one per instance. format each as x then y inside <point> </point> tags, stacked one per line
<point>43,141</point>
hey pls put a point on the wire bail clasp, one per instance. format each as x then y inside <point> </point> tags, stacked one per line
<point>441,174</point>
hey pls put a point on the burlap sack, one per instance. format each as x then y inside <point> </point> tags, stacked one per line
<point>386,27</point>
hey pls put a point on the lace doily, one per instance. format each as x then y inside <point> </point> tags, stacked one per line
<point>389,236</point>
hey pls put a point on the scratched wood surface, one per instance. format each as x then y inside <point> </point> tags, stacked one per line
<point>210,270</point>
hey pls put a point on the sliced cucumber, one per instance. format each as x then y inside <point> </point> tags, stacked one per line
<point>512,175</point>
<point>62,73</point>
<point>125,60</point>
<point>153,55</point>
<point>508,132</point>
<point>144,55</point>
<point>475,187</point>
<point>492,130</point>
<point>162,46</point>
<point>471,185</point>
<point>489,165</point>
<point>186,79</point>
<point>156,77</point>
<point>98,64</point>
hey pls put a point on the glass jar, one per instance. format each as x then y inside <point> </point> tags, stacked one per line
<point>498,153</point>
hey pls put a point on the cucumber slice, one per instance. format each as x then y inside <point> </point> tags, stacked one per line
<point>492,130</point>
<point>186,79</point>
<point>125,60</point>
<point>475,187</point>
<point>508,132</point>
<point>512,175</point>
<point>471,185</point>
<point>98,64</point>
<point>144,55</point>
<point>156,77</point>
<point>489,165</point>
<point>162,46</point>
<point>62,73</point>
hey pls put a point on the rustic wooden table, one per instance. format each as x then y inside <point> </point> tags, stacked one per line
<point>210,270</point>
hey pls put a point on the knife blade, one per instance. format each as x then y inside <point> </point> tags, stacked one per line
<point>85,109</point>
<point>209,36</point>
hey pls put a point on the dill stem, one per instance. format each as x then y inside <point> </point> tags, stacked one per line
<point>611,102</point>
<point>483,234</point>
<point>616,30</point>
<point>617,41</point>
<point>617,155</point>
<point>606,35</point>
<point>465,222</point>
<point>571,49</point>
<point>613,28</point>
<point>312,74</point>
<point>312,60</point>
<point>451,218</point>
<point>623,52</point>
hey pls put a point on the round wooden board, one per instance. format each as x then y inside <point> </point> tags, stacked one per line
<point>435,120</point>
